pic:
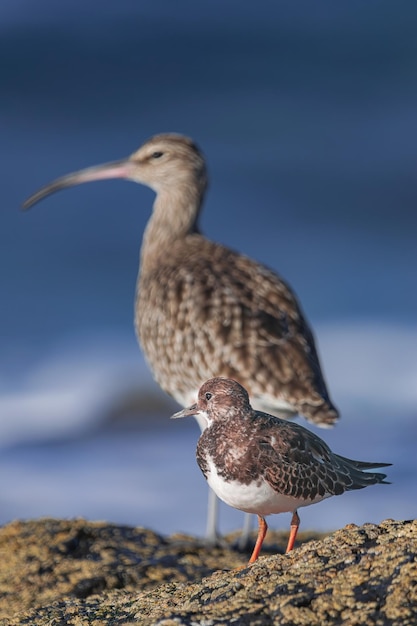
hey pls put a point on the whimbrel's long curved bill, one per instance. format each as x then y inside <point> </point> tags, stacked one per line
<point>115,169</point>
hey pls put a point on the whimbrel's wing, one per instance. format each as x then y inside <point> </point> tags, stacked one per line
<point>223,314</point>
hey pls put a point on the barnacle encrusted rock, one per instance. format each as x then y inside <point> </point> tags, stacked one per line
<point>78,572</point>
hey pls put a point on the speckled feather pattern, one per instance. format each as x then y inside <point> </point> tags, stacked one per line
<point>204,310</point>
<point>248,446</point>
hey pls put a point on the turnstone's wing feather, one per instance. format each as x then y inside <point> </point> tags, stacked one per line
<point>298,463</point>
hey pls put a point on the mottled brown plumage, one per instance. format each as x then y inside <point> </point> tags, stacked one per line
<point>262,464</point>
<point>217,311</point>
<point>203,310</point>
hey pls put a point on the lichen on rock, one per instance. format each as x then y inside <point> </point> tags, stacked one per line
<point>78,572</point>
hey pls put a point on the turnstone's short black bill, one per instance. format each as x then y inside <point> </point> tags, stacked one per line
<point>262,464</point>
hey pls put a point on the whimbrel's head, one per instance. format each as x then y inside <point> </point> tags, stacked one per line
<point>169,160</point>
<point>164,162</point>
<point>218,400</point>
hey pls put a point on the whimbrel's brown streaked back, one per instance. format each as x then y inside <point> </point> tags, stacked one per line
<point>203,310</point>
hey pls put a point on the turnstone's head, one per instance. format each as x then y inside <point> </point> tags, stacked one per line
<point>219,399</point>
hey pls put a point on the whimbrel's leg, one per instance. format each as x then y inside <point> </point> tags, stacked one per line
<point>212,535</point>
<point>263,527</point>
<point>244,538</point>
<point>295,522</point>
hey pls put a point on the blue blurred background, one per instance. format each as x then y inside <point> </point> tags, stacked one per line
<point>306,112</point>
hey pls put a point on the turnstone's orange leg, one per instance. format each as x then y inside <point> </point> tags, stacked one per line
<point>263,527</point>
<point>295,522</point>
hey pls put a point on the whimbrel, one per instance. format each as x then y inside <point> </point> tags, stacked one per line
<point>262,464</point>
<point>202,309</point>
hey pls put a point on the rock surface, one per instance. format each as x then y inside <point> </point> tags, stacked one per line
<point>59,572</point>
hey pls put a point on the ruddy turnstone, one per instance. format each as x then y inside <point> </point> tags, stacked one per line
<point>262,464</point>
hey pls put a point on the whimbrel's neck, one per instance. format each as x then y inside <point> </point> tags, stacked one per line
<point>174,216</point>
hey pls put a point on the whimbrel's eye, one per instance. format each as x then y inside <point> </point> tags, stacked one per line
<point>157,155</point>
<point>208,396</point>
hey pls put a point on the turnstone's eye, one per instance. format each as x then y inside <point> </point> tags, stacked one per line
<point>157,155</point>
<point>208,396</point>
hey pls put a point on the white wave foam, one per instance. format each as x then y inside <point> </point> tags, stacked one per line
<point>370,368</point>
<point>371,364</point>
<point>71,388</point>
<point>151,478</point>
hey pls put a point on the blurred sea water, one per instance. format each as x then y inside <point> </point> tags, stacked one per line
<point>307,116</point>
